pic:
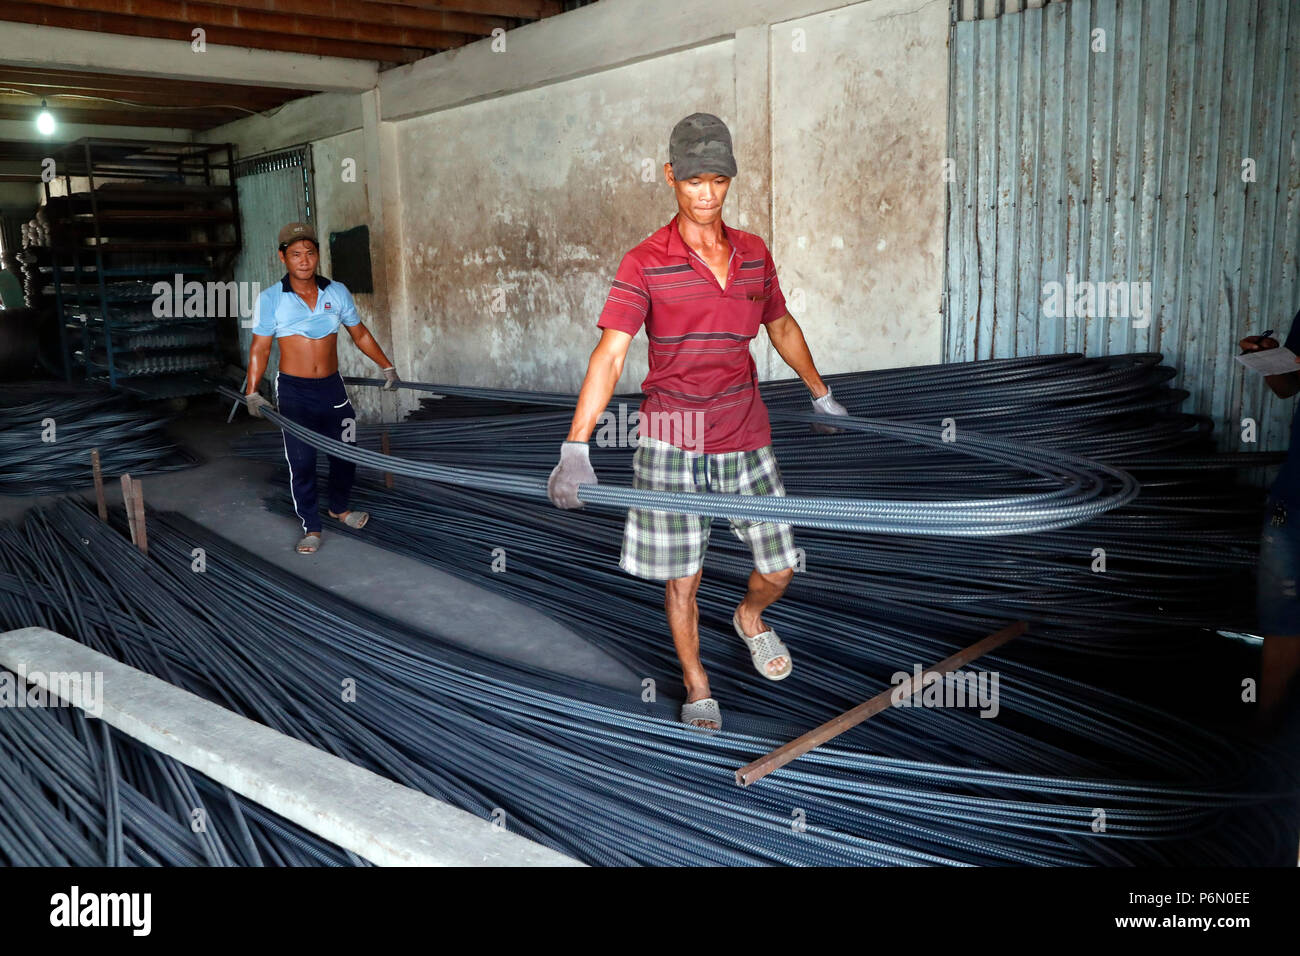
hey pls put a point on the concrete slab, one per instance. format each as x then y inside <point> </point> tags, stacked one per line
<point>380,820</point>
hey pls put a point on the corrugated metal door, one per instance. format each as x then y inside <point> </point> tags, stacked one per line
<point>274,189</point>
<point>1122,141</point>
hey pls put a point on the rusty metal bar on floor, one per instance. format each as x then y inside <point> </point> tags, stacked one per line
<point>796,748</point>
<point>127,490</point>
<point>97,470</point>
<point>137,501</point>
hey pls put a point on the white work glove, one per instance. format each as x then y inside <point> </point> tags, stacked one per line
<point>390,379</point>
<point>826,405</point>
<point>255,403</point>
<point>574,469</point>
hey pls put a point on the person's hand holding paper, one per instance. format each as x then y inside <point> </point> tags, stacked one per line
<point>1263,356</point>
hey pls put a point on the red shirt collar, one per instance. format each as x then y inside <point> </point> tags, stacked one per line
<point>677,245</point>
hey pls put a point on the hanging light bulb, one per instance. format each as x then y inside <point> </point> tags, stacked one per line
<point>44,120</point>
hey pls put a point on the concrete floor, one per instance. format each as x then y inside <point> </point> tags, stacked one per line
<point>225,494</point>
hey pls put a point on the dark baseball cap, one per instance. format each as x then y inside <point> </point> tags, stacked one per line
<point>295,231</point>
<point>701,143</point>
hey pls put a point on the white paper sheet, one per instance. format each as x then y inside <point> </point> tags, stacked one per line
<point>1276,361</point>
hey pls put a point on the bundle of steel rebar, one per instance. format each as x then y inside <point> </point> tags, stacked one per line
<point>1066,489</point>
<point>47,431</point>
<point>1149,577</point>
<point>1068,774</point>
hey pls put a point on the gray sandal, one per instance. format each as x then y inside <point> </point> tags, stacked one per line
<point>765,647</point>
<point>704,709</point>
<point>355,519</point>
<point>310,543</point>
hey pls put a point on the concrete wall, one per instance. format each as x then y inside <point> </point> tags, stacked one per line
<point>527,200</point>
<point>294,123</point>
<point>518,209</point>
<point>859,101</point>
<point>342,203</point>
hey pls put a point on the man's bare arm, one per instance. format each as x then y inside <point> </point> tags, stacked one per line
<point>1284,385</point>
<point>366,342</point>
<point>603,372</point>
<point>259,354</point>
<point>787,338</point>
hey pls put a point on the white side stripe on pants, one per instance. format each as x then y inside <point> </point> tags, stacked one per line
<point>284,441</point>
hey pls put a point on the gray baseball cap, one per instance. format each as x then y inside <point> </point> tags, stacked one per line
<point>294,231</point>
<point>701,143</point>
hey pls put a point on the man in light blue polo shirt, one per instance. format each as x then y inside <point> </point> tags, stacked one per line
<point>303,313</point>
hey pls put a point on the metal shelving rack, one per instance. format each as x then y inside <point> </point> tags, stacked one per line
<point>149,212</point>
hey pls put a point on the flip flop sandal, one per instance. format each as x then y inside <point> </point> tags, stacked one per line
<point>763,649</point>
<point>703,709</point>
<point>309,544</point>
<point>356,519</point>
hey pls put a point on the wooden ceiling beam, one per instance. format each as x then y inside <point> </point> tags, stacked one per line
<point>37,46</point>
<point>122,116</point>
<point>209,16</point>
<point>255,99</point>
<point>130,26</point>
<point>72,81</point>
<point>159,102</point>
<point>92,100</point>
<point>520,9</point>
<point>377,12</point>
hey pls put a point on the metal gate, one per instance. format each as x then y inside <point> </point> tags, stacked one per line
<point>274,188</point>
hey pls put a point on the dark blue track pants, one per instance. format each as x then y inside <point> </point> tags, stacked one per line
<point>322,405</point>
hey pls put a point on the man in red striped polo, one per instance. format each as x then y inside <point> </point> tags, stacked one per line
<point>702,290</point>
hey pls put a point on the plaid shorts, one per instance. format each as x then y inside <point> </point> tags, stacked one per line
<point>660,545</point>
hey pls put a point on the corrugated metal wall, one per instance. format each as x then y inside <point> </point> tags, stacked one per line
<point>274,189</point>
<point>989,9</point>
<point>1126,165</point>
